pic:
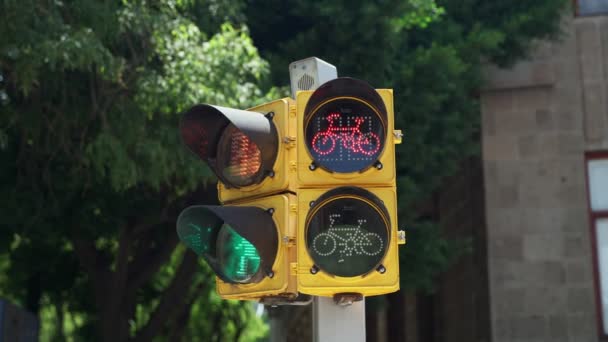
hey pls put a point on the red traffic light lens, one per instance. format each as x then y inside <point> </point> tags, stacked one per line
<point>239,158</point>
<point>345,135</point>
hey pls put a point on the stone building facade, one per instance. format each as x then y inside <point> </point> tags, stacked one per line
<point>540,122</point>
<point>534,204</point>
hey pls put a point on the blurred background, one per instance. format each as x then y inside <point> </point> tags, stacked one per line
<point>503,172</point>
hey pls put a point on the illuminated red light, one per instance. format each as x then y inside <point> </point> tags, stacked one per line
<point>244,159</point>
<point>351,137</point>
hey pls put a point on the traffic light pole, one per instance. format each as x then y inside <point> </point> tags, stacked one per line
<point>331,322</point>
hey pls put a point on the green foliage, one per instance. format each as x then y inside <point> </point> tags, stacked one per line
<point>89,93</point>
<point>428,253</point>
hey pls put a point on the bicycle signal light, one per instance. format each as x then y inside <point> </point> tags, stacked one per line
<point>347,129</point>
<point>347,232</point>
<point>348,241</point>
<point>345,135</point>
<point>347,218</point>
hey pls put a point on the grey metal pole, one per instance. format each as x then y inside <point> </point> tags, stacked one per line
<point>333,323</point>
<point>278,324</point>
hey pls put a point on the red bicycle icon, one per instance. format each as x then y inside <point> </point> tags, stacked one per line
<point>351,138</point>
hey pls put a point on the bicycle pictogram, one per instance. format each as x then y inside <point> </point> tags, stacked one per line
<point>351,137</point>
<point>347,240</point>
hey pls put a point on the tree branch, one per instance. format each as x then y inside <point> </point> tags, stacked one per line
<point>91,260</point>
<point>87,255</point>
<point>181,320</point>
<point>145,265</point>
<point>172,301</point>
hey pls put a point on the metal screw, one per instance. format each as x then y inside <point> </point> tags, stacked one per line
<point>270,211</point>
<point>270,173</point>
<point>270,274</point>
<point>314,269</point>
<point>381,269</point>
<point>270,115</point>
<point>311,203</point>
<point>378,165</point>
<point>312,167</point>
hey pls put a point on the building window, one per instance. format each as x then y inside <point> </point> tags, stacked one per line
<point>597,181</point>
<point>591,7</point>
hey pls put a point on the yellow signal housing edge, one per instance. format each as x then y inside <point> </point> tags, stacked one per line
<point>370,284</point>
<point>283,283</point>
<point>370,177</point>
<point>284,119</point>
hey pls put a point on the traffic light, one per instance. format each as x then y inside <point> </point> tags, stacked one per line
<point>347,129</point>
<point>248,242</point>
<point>308,193</point>
<point>347,223</point>
<point>248,150</point>
<point>243,244</point>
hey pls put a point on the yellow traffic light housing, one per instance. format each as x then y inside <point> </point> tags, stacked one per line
<point>283,116</point>
<point>347,221</point>
<point>248,245</point>
<point>310,188</point>
<point>347,241</point>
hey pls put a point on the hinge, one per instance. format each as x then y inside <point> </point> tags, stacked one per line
<point>290,142</point>
<point>401,239</point>
<point>292,110</point>
<point>289,240</point>
<point>293,268</point>
<point>398,135</point>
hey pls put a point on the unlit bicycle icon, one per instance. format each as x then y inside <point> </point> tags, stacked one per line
<point>347,241</point>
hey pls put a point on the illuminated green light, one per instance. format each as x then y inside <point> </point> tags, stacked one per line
<point>233,258</point>
<point>238,258</point>
<point>197,238</point>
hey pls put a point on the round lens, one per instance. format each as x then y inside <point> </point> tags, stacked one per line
<point>347,236</point>
<point>239,260</point>
<point>239,158</point>
<point>345,135</point>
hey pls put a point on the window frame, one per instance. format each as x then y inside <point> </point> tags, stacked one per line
<point>577,11</point>
<point>594,217</point>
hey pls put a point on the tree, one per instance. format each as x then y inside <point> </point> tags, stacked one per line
<point>432,54</point>
<point>94,174</point>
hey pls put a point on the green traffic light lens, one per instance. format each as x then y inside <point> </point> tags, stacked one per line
<point>238,258</point>
<point>235,242</point>
<point>197,238</point>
